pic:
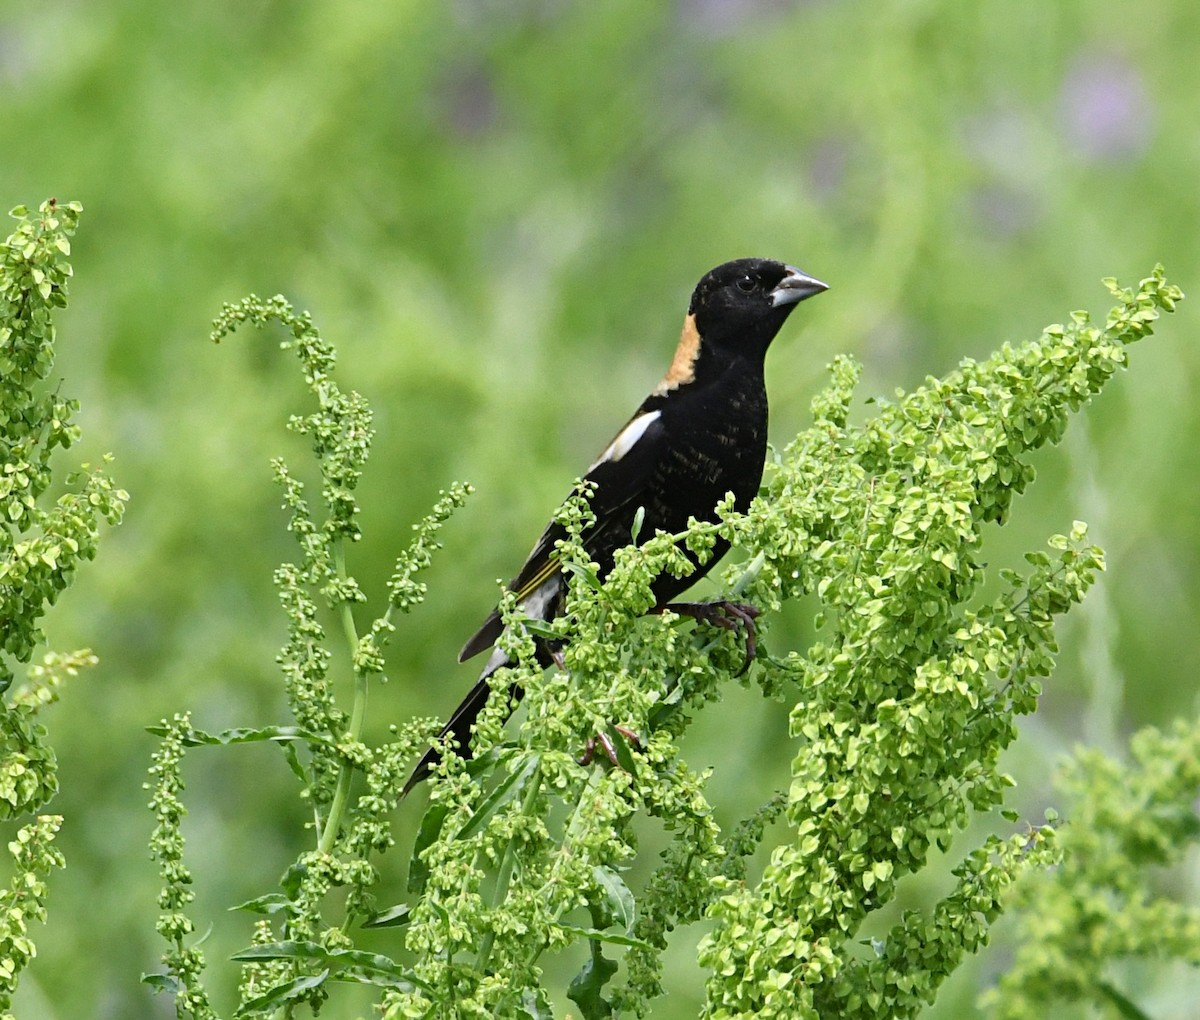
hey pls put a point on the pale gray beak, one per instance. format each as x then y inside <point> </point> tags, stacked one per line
<point>796,286</point>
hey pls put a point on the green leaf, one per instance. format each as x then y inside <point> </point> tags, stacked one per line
<point>431,828</point>
<point>381,969</point>
<point>1127,1009</point>
<point>588,573</point>
<point>505,790</point>
<point>611,938</point>
<point>540,628</point>
<point>271,903</point>
<point>283,993</point>
<point>243,735</point>
<point>161,983</point>
<point>639,518</point>
<point>292,879</point>
<point>394,917</point>
<point>586,986</point>
<point>535,1005</point>
<point>619,904</point>
<point>292,757</point>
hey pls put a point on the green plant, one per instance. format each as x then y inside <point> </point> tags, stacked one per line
<point>304,938</point>
<point>1129,823</point>
<point>43,539</point>
<point>899,715</point>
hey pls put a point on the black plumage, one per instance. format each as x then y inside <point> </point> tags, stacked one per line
<point>702,433</point>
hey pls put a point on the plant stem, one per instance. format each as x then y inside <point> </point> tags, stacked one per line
<point>358,714</point>
<point>507,862</point>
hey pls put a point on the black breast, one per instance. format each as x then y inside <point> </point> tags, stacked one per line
<point>716,443</point>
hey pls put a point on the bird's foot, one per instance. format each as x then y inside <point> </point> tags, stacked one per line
<point>726,615</point>
<point>608,746</point>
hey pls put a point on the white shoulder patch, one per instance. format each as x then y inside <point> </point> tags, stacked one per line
<point>627,438</point>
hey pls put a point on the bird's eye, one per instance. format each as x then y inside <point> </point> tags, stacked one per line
<point>746,284</point>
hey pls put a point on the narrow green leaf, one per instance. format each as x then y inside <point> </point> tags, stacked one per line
<point>336,960</point>
<point>589,575</point>
<point>392,917</point>
<point>1127,1009</point>
<point>281,994</point>
<point>639,518</point>
<point>618,900</point>
<point>431,828</point>
<point>242,735</point>
<point>505,790</point>
<point>611,938</point>
<point>292,757</point>
<point>271,903</point>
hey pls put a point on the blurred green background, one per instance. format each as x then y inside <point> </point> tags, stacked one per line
<point>497,210</point>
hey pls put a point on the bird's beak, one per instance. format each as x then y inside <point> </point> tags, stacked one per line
<point>796,286</point>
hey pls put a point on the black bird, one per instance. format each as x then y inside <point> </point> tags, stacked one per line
<point>700,434</point>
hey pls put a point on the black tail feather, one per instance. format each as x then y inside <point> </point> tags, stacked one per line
<point>459,728</point>
<point>463,717</point>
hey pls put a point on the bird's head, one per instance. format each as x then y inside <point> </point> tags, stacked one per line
<point>741,305</point>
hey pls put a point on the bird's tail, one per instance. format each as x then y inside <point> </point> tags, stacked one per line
<point>462,719</point>
<point>544,603</point>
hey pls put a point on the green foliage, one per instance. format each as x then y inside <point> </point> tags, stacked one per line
<point>33,855</point>
<point>901,711</point>
<point>302,941</point>
<point>499,208</point>
<point>1107,902</point>
<point>907,703</point>
<point>42,542</point>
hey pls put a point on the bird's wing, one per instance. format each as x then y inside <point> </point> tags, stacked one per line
<point>621,476</point>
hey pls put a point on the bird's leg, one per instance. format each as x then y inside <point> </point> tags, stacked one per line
<point>607,746</point>
<point>555,653</point>
<point>724,614</point>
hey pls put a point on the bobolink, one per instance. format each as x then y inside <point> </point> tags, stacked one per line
<point>701,433</point>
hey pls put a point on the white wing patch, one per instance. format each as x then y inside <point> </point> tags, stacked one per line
<point>539,604</point>
<point>627,438</point>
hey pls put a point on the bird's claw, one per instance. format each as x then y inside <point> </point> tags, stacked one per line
<point>726,615</point>
<point>607,746</point>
